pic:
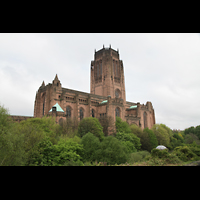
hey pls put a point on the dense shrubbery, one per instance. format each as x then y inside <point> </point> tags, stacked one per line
<point>42,142</point>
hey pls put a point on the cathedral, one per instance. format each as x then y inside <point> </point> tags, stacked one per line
<point>107,95</point>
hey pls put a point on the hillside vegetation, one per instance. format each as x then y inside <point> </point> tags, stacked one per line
<point>42,142</point>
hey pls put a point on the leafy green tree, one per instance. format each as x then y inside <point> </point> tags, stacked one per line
<point>162,134</point>
<point>190,138</point>
<point>90,144</point>
<point>136,130</point>
<point>122,126</point>
<point>35,129</point>
<point>69,127</point>
<point>67,152</point>
<point>11,144</point>
<point>42,154</point>
<point>185,153</point>
<point>108,124</point>
<point>148,140</point>
<point>92,125</point>
<point>112,151</point>
<point>129,138</point>
<point>197,131</point>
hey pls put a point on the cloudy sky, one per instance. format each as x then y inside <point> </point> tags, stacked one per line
<point>161,68</point>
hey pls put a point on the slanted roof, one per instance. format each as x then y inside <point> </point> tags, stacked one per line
<point>132,107</point>
<point>105,101</point>
<point>58,108</point>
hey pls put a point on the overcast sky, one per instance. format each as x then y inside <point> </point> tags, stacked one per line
<point>161,68</point>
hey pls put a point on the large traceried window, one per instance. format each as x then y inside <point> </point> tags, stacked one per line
<point>117,112</point>
<point>68,112</point>
<point>93,113</point>
<point>145,119</point>
<point>113,68</point>
<point>81,114</point>
<point>97,70</point>
<point>116,69</point>
<point>101,68</point>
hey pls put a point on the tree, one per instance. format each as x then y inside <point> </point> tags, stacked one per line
<point>128,138</point>
<point>136,130</point>
<point>108,125</point>
<point>91,145</point>
<point>162,134</point>
<point>112,151</point>
<point>42,154</point>
<point>11,144</point>
<point>122,126</point>
<point>148,140</point>
<point>190,138</point>
<point>92,125</point>
<point>69,127</point>
<point>67,153</point>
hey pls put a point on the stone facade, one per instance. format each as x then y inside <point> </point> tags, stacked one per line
<point>107,95</point>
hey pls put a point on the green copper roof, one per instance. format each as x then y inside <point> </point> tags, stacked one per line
<point>58,108</point>
<point>104,102</point>
<point>132,107</point>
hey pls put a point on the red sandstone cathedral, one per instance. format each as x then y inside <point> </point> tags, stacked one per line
<point>107,95</point>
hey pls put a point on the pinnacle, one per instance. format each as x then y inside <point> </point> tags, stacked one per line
<point>56,77</point>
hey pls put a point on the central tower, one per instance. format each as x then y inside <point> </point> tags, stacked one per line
<point>107,74</point>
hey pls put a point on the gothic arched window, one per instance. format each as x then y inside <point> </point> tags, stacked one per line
<point>100,68</point>
<point>81,114</point>
<point>145,119</point>
<point>113,68</point>
<point>117,112</point>
<point>97,70</point>
<point>116,69</point>
<point>93,113</point>
<point>68,112</point>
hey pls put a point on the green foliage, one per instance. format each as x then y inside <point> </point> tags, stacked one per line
<point>67,153</point>
<point>148,139</point>
<point>138,156</point>
<point>193,130</point>
<point>131,141</point>
<point>108,124</point>
<point>190,138</point>
<point>122,126</point>
<point>135,130</point>
<point>159,153</point>
<point>185,153</point>
<point>162,134</point>
<point>92,125</point>
<point>112,151</point>
<point>90,145</point>
<point>69,127</point>
<point>11,144</point>
<point>42,154</point>
<point>163,157</point>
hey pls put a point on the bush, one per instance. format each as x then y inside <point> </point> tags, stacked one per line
<point>90,125</point>
<point>162,134</point>
<point>138,156</point>
<point>185,153</point>
<point>131,138</point>
<point>159,153</point>
<point>90,145</point>
<point>148,139</point>
<point>163,157</point>
<point>122,126</point>
<point>135,130</point>
<point>112,151</point>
